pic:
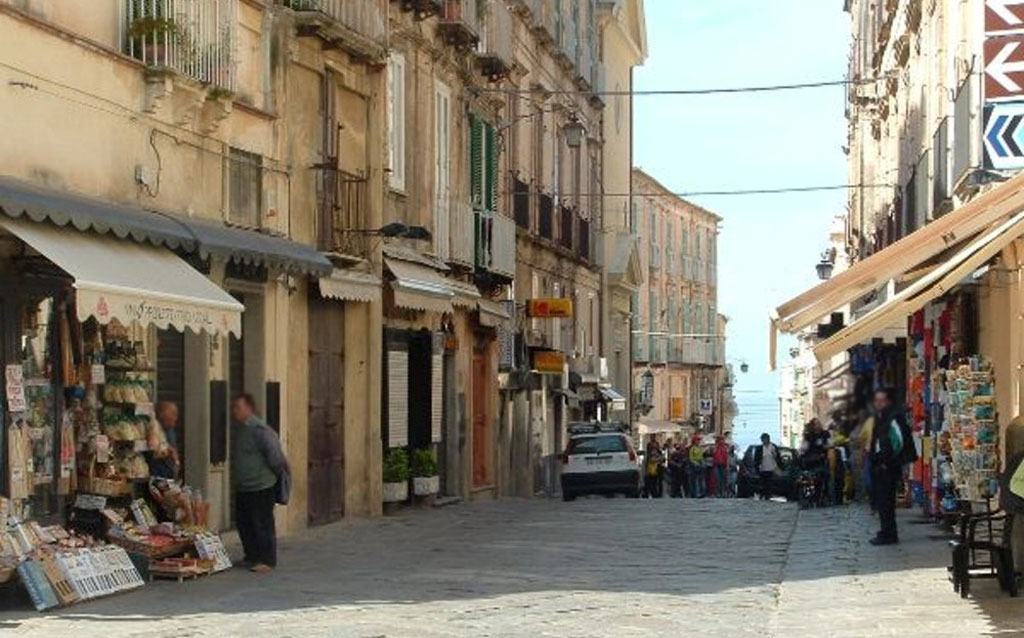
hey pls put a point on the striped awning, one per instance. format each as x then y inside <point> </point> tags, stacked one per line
<point>351,285</point>
<point>419,287</point>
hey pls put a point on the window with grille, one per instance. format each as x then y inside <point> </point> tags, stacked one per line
<point>246,183</point>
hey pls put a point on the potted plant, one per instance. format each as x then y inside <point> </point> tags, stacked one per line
<point>396,476</point>
<point>424,472</point>
<point>150,36</point>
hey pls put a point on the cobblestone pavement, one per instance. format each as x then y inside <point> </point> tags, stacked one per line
<point>591,568</point>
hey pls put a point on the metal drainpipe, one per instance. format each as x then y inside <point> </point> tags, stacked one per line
<point>629,226</point>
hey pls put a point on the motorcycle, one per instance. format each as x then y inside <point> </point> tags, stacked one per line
<point>810,490</point>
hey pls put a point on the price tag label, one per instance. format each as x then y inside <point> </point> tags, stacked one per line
<point>144,409</point>
<point>98,374</point>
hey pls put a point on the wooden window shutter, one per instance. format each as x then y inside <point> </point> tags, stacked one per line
<point>476,176</point>
<point>437,388</point>
<point>398,396</point>
<point>491,168</point>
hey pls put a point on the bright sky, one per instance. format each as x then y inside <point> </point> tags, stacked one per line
<point>769,244</point>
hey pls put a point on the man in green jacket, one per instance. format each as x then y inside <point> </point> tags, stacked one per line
<point>258,465</point>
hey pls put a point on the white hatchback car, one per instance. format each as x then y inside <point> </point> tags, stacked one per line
<point>599,459</point>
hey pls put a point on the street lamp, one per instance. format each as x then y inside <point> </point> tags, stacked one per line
<point>825,267</point>
<point>573,132</point>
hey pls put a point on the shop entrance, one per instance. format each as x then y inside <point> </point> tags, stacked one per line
<point>420,397</point>
<point>170,380</point>
<point>326,412</point>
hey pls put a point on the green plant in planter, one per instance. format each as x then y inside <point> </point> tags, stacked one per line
<point>151,27</point>
<point>396,466</point>
<point>424,463</point>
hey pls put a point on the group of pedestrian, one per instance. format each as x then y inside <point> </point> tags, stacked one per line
<point>691,468</point>
<point>259,471</point>
<point>874,452</point>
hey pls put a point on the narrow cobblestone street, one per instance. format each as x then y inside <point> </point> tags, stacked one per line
<point>592,568</point>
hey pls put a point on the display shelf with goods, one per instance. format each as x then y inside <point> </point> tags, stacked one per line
<point>85,425</point>
<point>59,567</point>
<point>970,435</point>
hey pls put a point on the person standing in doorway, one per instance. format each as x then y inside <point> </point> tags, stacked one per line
<point>886,454</point>
<point>162,439</point>
<point>768,463</point>
<point>260,476</point>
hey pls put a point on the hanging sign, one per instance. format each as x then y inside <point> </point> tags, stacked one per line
<point>15,383</point>
<point>550,308</point>
<point>705,407</point>
<point>1003,137</point>
<point>548,361</point>
<point>1003,16</point>
<point>1004,67</point>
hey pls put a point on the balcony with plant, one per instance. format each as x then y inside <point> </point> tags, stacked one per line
<point>190,38</point>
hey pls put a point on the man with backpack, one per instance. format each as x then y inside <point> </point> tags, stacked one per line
<point>892,447</point>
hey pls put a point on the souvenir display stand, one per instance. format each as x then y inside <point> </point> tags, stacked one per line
<point>971,432</point>
<point>60,568</point>
<point>98,383</point>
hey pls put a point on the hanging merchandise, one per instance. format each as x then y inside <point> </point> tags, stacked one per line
<point>973,432</point>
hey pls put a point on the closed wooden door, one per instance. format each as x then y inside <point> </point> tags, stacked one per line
<point>326,456</point>
<point>481,431</point>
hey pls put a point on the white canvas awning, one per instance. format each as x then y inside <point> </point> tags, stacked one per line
<point>654,426</point>
<point>419,287</point>
<point>466,294</point>
<point>351,285</point>
<point>936,283</point>
<point>905,256</point>
<point>128,281</point>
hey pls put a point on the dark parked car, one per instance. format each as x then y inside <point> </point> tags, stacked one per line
<point>782,484</point>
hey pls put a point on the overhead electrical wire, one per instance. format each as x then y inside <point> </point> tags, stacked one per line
<point>714,193</point>
<point>707,91</point>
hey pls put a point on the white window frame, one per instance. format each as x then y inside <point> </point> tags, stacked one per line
<point>396,121</point>
<point>442,169</point>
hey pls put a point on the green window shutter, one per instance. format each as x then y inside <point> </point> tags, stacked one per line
<point>476,176</point>
<point>491,168</point>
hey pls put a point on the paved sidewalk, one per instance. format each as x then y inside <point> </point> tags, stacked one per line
<point>592,568</point>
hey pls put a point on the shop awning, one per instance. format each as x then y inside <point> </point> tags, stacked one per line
<point>23,200</point>
<point>903,256</point>
<point>351,285</point>
<point>492,313</point>
<point>128,281</point>
<point>254,247</point>
<point>466,294</point>
<point>654,426</point>
<point>936,283</point>
<point>20,199</point>
<point>614,400</point>
<point>419,287</point>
